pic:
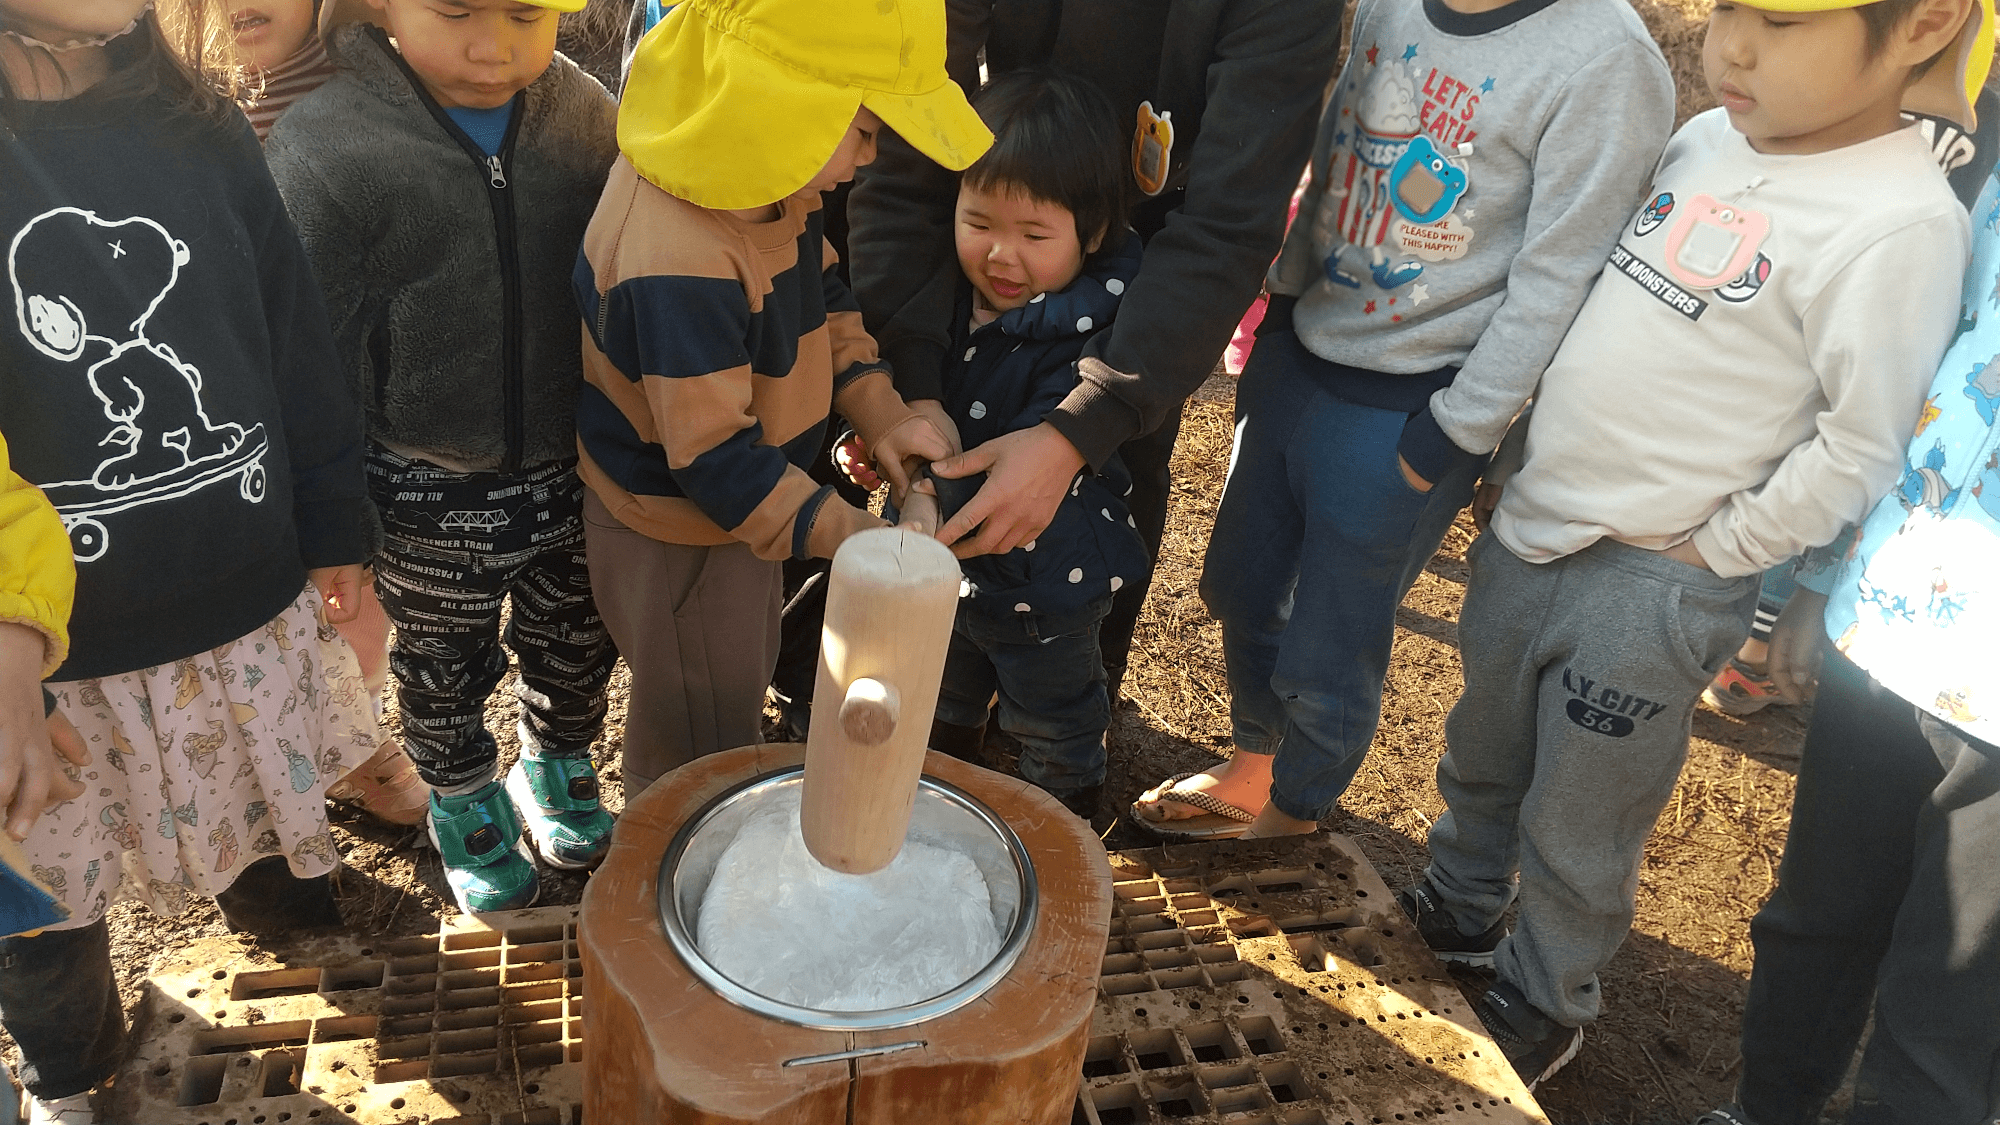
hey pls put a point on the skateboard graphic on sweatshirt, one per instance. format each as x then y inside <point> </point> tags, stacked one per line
<point>84,289</point>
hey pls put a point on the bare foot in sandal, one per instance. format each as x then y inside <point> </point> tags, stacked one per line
<point>1242,783</point>
<point>1274,822</point>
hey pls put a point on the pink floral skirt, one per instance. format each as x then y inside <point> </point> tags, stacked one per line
<point>199,768</point>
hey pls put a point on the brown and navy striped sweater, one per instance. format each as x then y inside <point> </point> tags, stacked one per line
<point>714,351</point>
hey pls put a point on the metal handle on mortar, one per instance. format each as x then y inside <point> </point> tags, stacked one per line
<point>857,1053</point>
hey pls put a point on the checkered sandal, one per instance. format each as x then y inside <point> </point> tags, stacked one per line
<point>1220,820</point>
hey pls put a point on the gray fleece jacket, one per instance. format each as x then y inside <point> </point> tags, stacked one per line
<point>447,273</point>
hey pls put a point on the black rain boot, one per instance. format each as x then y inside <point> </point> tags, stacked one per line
<point>963,743</point>
<point>268,900</point>
<point>1083,802</point>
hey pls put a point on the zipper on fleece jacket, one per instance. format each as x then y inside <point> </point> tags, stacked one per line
<point>500,197</point>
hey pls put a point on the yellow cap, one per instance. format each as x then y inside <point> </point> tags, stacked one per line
<point>334,13</point>
<point>1952,86</point>
<point>739,103</point>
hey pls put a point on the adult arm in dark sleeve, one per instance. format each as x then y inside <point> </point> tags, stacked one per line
<point>899,216</point>
<point>1206,264</point>
<point>1202,270</point>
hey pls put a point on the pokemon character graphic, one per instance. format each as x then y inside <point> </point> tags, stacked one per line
<point>1982,386</point>
<point>1986,487</point>
<point>1654,213</point>
<point>1924,485</point>
<point>1955,706</point>
<point>1384,176</point>
<point>1845,641</point>
<point>92,307</point>
<point>1928,414</point>
<point>1747,283</point>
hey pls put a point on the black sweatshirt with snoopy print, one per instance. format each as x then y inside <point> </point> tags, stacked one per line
<point>168,378</point>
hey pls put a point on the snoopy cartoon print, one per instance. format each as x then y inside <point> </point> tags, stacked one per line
<point>162,443</point>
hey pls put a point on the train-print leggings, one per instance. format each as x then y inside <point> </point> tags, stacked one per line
<point>455,547</point>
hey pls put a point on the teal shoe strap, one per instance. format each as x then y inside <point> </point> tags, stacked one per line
<point>562,784</point>
<point>475,829</point>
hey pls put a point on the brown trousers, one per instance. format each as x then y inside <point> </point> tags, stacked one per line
<point>699,628</point>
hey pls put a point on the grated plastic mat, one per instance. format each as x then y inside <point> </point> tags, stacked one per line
<point>1275,982</point>
<point>477,1024</point>
<point>1244,983</point>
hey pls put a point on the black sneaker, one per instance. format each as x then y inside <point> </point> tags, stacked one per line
<point>1439,927</point>
<point>1537,1045</point>
<point>967,744</point>
<point>1083,802</point>
<point>1727,1115</point>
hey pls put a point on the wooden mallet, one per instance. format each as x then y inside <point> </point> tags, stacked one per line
<point>891,598</point>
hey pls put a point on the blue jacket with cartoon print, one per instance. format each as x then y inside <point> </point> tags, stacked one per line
<point>1006,375</point>
<point>1916,601</point>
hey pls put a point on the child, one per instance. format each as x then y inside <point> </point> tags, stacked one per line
<point>1744,686</point>
<point>1471,171</point>
<point>37,588</point>
<point>718,338</point>
<point>441,183</point>
<point>168,382</point>
<point>1735,390</point>
<point>279,41</point>
<point>1887,893</point>
<point>1041,235</point>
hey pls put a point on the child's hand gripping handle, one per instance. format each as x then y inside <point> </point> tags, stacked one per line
<point>919,510</point>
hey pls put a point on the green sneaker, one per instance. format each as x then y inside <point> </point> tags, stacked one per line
<point>559,806</point>
<point>485,859</point>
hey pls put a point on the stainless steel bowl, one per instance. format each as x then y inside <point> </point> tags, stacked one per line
<point>942,812</point>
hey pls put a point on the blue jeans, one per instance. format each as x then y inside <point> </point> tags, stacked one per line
<point>1050,680</point>
<point>1317,540</point>
<point>1886,899</point>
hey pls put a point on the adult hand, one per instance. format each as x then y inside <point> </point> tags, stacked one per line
<point>851,458</point>
<point>1410,476</point>
<point>339,591</point>
<point>1484,500</point>
<point>1028,473</point>
<point>31,774</point>
<point>1798,644</point>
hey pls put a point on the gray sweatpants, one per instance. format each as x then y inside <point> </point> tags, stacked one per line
<point>1581,678</point>
<point>698,627</point>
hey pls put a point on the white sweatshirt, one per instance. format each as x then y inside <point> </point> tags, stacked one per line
<point>1762,416</point>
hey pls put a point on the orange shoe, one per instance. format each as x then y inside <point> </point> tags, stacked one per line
<point>386,787</point>
<point>1740,689</point>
